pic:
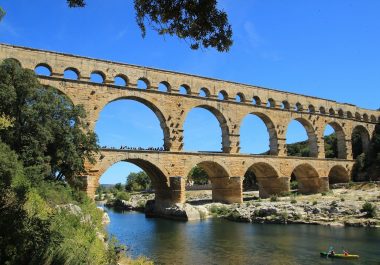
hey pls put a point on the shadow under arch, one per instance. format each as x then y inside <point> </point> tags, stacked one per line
<point>308,179</point>
<point>268,179</point>
<point>340,140</point>
<point>224,188</point>
<point>271,129</point>
<point>222,123</point>
<point>338,174</point>
<point>360,140</point>
<point>311,136</point>
<point>156,111</point>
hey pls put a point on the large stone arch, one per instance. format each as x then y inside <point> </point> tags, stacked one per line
<point>225,188</point>
<point>223,123</point>
<point>159,114</point>
<point>271,128</point>
<point>311,135</point>
<point>308,179</point>
<point>341,139</point>
<point>268,179</point>
<point>158,175</point>
<point>338,174</point>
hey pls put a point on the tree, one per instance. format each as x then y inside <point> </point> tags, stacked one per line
<point>46,140</point>
<point>198,175</point>
<point>198,21</point>
<point>23,238</point>
<point>49,133</point>
<point>118,187</point>
<point>138,181</point>
<point>2,13</point>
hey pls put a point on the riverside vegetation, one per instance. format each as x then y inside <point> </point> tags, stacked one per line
<point>43,146</point>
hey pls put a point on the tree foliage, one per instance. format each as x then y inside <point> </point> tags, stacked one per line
<point>48,132</point>
<point>43,220</point>
<point>138,182</point>
<point>198,175</point>
<point>302,149</point>
<point>2,13</point>
<point>198,21</point>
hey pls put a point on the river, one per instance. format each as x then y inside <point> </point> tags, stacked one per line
<point>218,241</point>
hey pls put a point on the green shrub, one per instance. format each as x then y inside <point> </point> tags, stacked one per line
<point>285,193</point>
<point>360,198</point>
<point>274,198</point>
<point>370,209</point>
<point>123,196</point>
<point>315,202</point>
<point>293,201</point>
<point>323,193</point>
<point>220,210</point>
<point>294,185</point>
<point>342,199</point>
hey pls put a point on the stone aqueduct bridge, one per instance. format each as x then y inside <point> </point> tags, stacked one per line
<point>169,169</point>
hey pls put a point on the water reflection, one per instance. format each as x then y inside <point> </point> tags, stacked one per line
<point>223,242</point>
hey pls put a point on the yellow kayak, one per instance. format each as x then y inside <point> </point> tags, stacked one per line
<point>339,256</point>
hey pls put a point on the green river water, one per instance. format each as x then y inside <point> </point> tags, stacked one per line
<point>218,241</point>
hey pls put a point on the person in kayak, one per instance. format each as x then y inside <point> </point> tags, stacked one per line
<point>332,252</point>
<point>345,252</point>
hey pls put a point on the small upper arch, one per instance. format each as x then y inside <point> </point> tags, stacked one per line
<point>121,80</point>
<point>340,113</point>
<point>143,83</point>
<point>240,97</point>
<point>97,77</point>
<point>332,112</point>
<point>204,92</point>
<point>223,95</point>
<point>358,116</point>
<point>365,117</point>
<point>311,108</point>
<point>271,103</point>
<point>164,86</point>
<point>285,105</point>
<point>71,73</point>
<point>43,69</point>
<point>256,101</point>
<point>184,89</point>
<point>15,60</point>
<point>322,110</point>
<point>298,107</point>
<point>349,114</point>
<point>373,118</point>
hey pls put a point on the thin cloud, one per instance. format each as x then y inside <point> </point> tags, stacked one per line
<point>253,37</point>
<point>121,34</point>
<point>7,28</point>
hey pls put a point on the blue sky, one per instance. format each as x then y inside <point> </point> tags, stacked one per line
<point>328,49</point>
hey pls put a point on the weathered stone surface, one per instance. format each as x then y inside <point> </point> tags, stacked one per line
<point>177,211</point>
<point>169,169</point>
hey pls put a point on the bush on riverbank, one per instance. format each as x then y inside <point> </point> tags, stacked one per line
<point>370,209</point>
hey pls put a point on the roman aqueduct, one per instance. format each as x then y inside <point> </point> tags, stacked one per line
<point>230,102</point>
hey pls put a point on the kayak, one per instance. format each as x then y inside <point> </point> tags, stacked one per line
<point>339,256</point>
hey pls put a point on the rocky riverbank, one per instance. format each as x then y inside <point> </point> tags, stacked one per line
<point>349,205</point>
